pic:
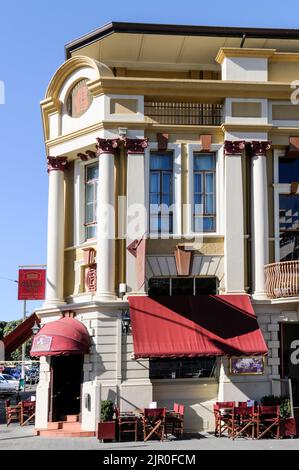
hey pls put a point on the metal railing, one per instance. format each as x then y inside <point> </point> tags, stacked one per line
<point>181,113</point>
<point>282,279</point>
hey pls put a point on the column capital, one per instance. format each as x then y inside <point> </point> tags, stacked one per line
<point>56,163</point>
<point>107,145</point>
<point>136,146</point>
<point>233,147</point>
<point>260,147</point>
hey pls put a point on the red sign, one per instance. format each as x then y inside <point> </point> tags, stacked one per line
<point>32,284</point>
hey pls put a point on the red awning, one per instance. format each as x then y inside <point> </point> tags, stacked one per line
<point>63,336</point>
<point>19,335</point>
<point>204,325</point>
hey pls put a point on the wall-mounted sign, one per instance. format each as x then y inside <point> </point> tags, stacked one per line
<point>41,343</point>
<point>246,365</point>
<point>32,284</point>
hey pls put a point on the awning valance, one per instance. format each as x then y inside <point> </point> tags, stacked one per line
<point>204,325</point>
<point>63,336</point>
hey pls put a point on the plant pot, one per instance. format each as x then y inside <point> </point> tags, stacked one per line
<point>288,427</point>
<point>106,430</point>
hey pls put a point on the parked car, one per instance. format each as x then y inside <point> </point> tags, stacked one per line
<point>32,375</point>
<point>6,388</point>
<point>11,380</point>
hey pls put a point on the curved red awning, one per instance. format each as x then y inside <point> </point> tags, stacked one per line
<point>63,336</point>
<point>204,325</point>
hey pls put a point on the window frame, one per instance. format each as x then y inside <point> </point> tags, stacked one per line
<point>186,277</point>
<point>217,150</point>
<point>79,202</point>
<point>161,174</point>
<point>203,193</point>
<point>177,192</point>
<point>95,184</point>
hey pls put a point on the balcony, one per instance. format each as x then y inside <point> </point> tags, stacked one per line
<point>181,113</point>
<point>282,279</point>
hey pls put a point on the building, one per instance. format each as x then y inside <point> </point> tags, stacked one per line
<point>173,159</point>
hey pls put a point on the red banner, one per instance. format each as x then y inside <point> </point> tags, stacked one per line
<point>32,284</point>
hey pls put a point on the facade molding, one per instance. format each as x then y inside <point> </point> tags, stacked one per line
<point>107,146</point>
<point>234,147</point>
<point>136,146</point>
<point>260,147</point>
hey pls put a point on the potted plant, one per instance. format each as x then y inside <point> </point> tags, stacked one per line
<point>106,427</point>
<point>287,426</point>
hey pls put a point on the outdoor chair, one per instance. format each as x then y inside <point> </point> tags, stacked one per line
<point>268,421</point>
<point>243,421</point>
<point>127,423</point>
<point>12,412</point>
<point>153,421</point>
<point>223,416</point>
<point>27,412</point>
<point>178,429</point>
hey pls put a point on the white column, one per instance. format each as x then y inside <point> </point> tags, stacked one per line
<point>259,216</point>
<point>136,207</point>
<point>55,246</point>
<point>106,220</point>
<point>234,218</point>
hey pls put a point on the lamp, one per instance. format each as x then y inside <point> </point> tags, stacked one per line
<point>35,328</point>
<point>125,321</point>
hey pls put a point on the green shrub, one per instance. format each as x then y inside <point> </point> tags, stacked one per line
<point>107,410</point>
<point>283,402</point>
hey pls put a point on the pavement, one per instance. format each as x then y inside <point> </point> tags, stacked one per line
<point>15,437</point>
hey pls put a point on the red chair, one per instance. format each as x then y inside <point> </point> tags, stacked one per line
<point>268,421</point>
<point>126,423</point>
<point>153,421</point>
<point>223,415</point>
<point>12,412</point>
<point>178,429</point>
<point>243,421</point>
<point>242,404</point>
<point>27,412</point>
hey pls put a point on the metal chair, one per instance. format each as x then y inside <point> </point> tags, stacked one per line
<point>153,421</point>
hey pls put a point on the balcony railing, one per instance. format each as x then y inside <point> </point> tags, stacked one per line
<point>282,279</point>
<point>190,114</point>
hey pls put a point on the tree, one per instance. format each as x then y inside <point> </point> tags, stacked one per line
<point>2,326</point>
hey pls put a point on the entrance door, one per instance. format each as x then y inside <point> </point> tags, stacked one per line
<point>289,356</point>
<point>66,379</point>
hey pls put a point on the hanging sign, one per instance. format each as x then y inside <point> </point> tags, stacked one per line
<point>32,284</point>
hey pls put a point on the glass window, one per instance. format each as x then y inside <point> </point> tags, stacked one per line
<point>206,285</point>
<point>182,368</point>
<point>159,286</point>
<point>91,189</point>
<point>182,286</point>
<point>288,170</point>
<point>204,182</point>
<point>289,227</point>
<point>161,193</point>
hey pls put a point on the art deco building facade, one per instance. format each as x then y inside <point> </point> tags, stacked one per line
<point>173,160</point>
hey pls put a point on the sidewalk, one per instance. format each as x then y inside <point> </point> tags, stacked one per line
<point>15,437</point>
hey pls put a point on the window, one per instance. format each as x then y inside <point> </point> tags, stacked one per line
<point>289,227</point>
<point>204,187</point>
<point>288,169</point>
<point>182,367</point>
<point>161,193</point>
<point>182,286</point>
<point>91,190</point>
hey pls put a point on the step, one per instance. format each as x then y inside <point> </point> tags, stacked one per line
<point>70,418</point>
<point>63,433</point>
<point>67,425</point>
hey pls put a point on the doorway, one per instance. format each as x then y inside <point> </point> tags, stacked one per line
<point>289,357</point>
<point>66,379</point>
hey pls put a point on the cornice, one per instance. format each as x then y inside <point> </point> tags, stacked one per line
<point>244,52</point>
<point>195,89</point>
<point>285,57</point>
<point>246,127</point>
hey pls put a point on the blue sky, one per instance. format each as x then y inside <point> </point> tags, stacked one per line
<point>32,39</point>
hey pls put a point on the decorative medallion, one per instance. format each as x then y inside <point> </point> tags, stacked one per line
<point>79,99</point>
